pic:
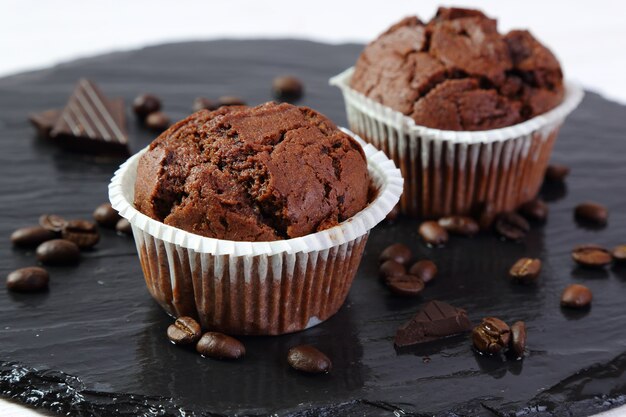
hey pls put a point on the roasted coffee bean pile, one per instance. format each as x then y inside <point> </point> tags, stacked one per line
<point>394,261</point>
<point>186,331</point>
<point>493,336</point>
<point>59,242</point>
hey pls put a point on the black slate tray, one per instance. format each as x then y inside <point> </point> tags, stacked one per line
<point>98,325</point>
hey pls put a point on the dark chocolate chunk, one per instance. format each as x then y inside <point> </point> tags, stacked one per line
<point>45,121</point>
<point>90,123</point>
<point>434,321</point>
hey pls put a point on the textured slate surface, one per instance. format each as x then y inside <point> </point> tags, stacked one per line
<point>95,343</point>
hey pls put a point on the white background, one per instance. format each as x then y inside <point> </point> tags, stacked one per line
<point>589,37</point>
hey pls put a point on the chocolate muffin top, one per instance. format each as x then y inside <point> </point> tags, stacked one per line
<point>457,72</point>
<point>265,173</point>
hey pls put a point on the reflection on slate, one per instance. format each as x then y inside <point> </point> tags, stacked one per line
<point>102,338</point>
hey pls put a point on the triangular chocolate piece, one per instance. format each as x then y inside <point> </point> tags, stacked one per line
<point>90,123</point>
<point>434,321</point>
<point>45,121</point>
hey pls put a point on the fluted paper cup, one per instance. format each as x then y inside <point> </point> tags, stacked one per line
<point>458,172</point>
<point>259,288</point>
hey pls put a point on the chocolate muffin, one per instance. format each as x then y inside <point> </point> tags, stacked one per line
<point>457,72</point>
<point>265,173</point>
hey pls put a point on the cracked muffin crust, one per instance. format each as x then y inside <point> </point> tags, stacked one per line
<point>275,171</point>
<point>457,72</point>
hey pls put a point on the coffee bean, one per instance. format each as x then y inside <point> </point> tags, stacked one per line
<point>591,256</point>
<point>619,253</point>
<point>306,358</point>
<point>512,226</point>
<point>106,216</point>
<point>486,216</point>
<point>536,210</point>
<point>82,232</point>
<point>230,101</point>
<point>220,346</point>
<point>202,103</point>
<point>432,233</point>
<point>593,213</point>
<point>525,270</point>
<point>425,269</point>
<point>405,285</point>
<point>52,222</point>
<point>124,227</point>
<point>157,121</point>
<point>287,88</point>
<point>58,252</point>
<point>31,237</point>
<point>576,296</point>
<point>184,331</point>
<point>459,225</point>
<point>491,335</point>
<point>31,279</point>
<point>391,268</point>
<point>396,252</point>
<point>393,215</point>
<point>556,173</point>
<point>518,338</point>
<point>146,104</point>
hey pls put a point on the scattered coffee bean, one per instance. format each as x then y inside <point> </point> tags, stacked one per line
<point>306,358</point>
<point>593,213</point>
<point>124,227</point>
<point>29,279</point>
<point>31,237</point>
<point>405,285</point>
<point>591,256</point>
<point>287,88</point>
<point>425,269</point>
<point>82,232</point>
<point>556,173</point>
<point>525,270</point>
<point>202,103</point>
<point>491,335</point>
<point>391,268</point>
<point>157,121</point>
<point>106,216</point>
<point>396,252</point>
<point>512,226</point>
<point>52,222</point>
<point>576,296</point>
<point>58,252</point>
<point>184,331</point>
<point>220,346</point>
<point>230,101</point>
<point>518,338</point>
<point>393,215</point>
<point>459,225</point>
<point>486,217</point>
<point>432,233</point>
<point>146,104</point>
<point>619,253</point>
<point>536,210</point>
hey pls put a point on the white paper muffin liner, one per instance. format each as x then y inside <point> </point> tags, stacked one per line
<point>257,288</point>
<point>458,172</point>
